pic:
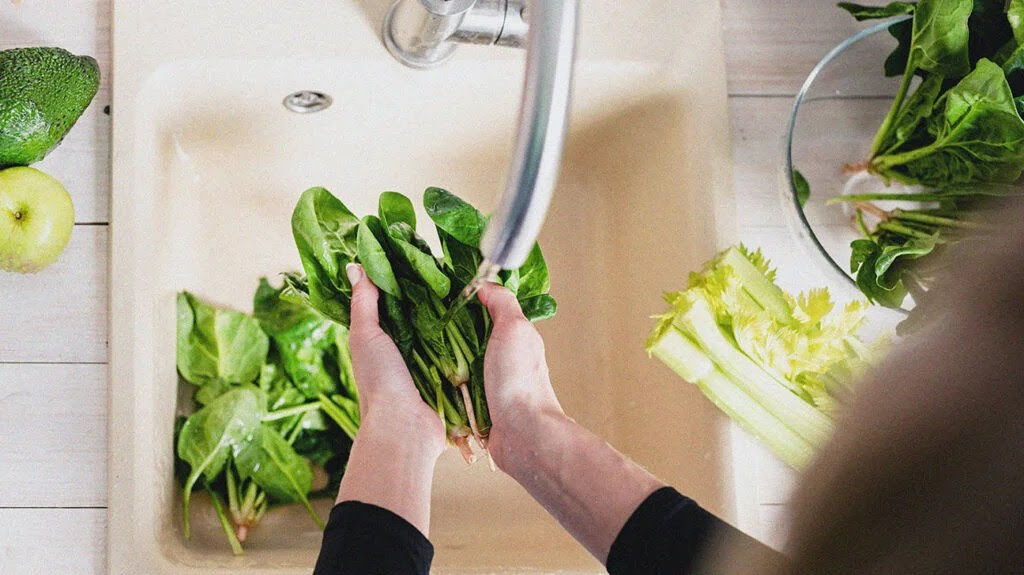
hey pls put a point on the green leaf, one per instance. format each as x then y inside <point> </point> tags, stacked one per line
<point>939,41</point>
<point>989,29</point>
<point>421,263</point>
<point>270,461</point>
<point>1015,16</point>
<point>861,12</point>
<point>463,260</point>
<point>896,62</point>
<point>802,188</point>
<point>539,307</point>
<point>980,139</point>
<point>913,249</point>
<point>217,344</point>
<point>457,218</point>
<point>302,339</point>
<point>374,259</point>
<point>864,263</point>
<point>915,112</point>
<point>534,278</point>
<point>1013,68</point>
<point>278,315</point>
<point>211,434</point>
<point>325,233</point>
<point>393,207</point>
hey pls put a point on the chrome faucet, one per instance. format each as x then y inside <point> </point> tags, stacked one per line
<point>425,33</point>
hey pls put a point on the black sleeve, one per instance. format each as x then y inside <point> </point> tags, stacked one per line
<point>665,535</point>
<point>363,539</point>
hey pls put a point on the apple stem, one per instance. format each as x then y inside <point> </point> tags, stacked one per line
<point>17,215</point>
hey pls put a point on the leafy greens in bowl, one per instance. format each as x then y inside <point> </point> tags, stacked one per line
<point>949,146</point>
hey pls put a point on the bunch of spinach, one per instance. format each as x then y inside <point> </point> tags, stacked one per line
<point>275,395</point>
<point>958,133</point>
<point>416,290</point>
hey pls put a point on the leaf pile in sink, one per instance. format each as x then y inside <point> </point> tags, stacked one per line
<point>959,133</point>
<point>416,289</point>
<point>275,393</point>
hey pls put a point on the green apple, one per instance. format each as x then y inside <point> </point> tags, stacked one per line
<point>36,219</point>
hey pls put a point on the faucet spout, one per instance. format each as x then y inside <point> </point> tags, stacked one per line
<point>425,33</point>
<point>543,120</point>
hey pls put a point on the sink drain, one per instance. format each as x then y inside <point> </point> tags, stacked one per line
<point>307,101</point>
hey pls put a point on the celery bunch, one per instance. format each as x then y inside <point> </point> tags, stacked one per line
<point>776,364</point>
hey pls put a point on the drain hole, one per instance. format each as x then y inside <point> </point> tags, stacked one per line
<point>307,101</point>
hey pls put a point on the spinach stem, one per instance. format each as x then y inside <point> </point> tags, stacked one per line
<point>883,132</point>
<point>225,523</point>
<point>935,220</point>
<point>898,228</point>
<point>232,491</point>
<point>290,411</point>
<point>339,416</point>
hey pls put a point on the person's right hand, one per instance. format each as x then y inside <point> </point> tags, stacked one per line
<point>519,392</point>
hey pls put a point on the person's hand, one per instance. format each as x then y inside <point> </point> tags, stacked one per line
<point>516,380</point>
<point>389,402</point>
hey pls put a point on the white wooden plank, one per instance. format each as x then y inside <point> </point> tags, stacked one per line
<point>53,435</point>
<point>60,313</point>
<point>67,541</point>
<point>82,162</point>
<point>774,525</point>
<point>771,46</point>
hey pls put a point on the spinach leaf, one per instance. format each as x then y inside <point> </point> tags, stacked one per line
<point>980,138</point>
<point>278,315</point>
<point>217,344</point>
<point>863,262</point>
<point>891,255</point>
<point>211,434</point>
<point>325,233</point>
<point>393,207</point>
<point>455,217</point>
<point>989,29</point>
<point>416,256</point>
<point>396,324</point>
<point>534,278</point>
<point>539,307</point>
<point>1013,67</point>
<point>270,461</point>
<point>802,188</point>
<point>463,260</point>
<point>896,62</point>
<point>302,339</point>
<point>346,375</point>
<point>939,41</point>
<point>912,117</point>
<point>374,258</point>
<point>1015,17</point>
<point>861,12</point>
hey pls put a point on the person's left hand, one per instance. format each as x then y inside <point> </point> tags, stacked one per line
<point>389,402</point>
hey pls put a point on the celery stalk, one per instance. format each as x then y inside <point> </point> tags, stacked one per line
<point>698,322</point>
<point>682,356</point>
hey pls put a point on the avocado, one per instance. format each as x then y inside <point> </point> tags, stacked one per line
<point>43,92</point>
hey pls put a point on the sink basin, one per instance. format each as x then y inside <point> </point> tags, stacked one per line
<point>208,165</point>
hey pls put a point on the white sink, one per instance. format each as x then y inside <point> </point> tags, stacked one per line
<point>208,165</point>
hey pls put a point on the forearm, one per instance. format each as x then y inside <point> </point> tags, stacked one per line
<point>590,488</point>
<point>389,469</point>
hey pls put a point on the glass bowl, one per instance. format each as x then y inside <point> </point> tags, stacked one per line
<point>833,122</point>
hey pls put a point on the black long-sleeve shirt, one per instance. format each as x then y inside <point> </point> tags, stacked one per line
<point>663,536</point>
